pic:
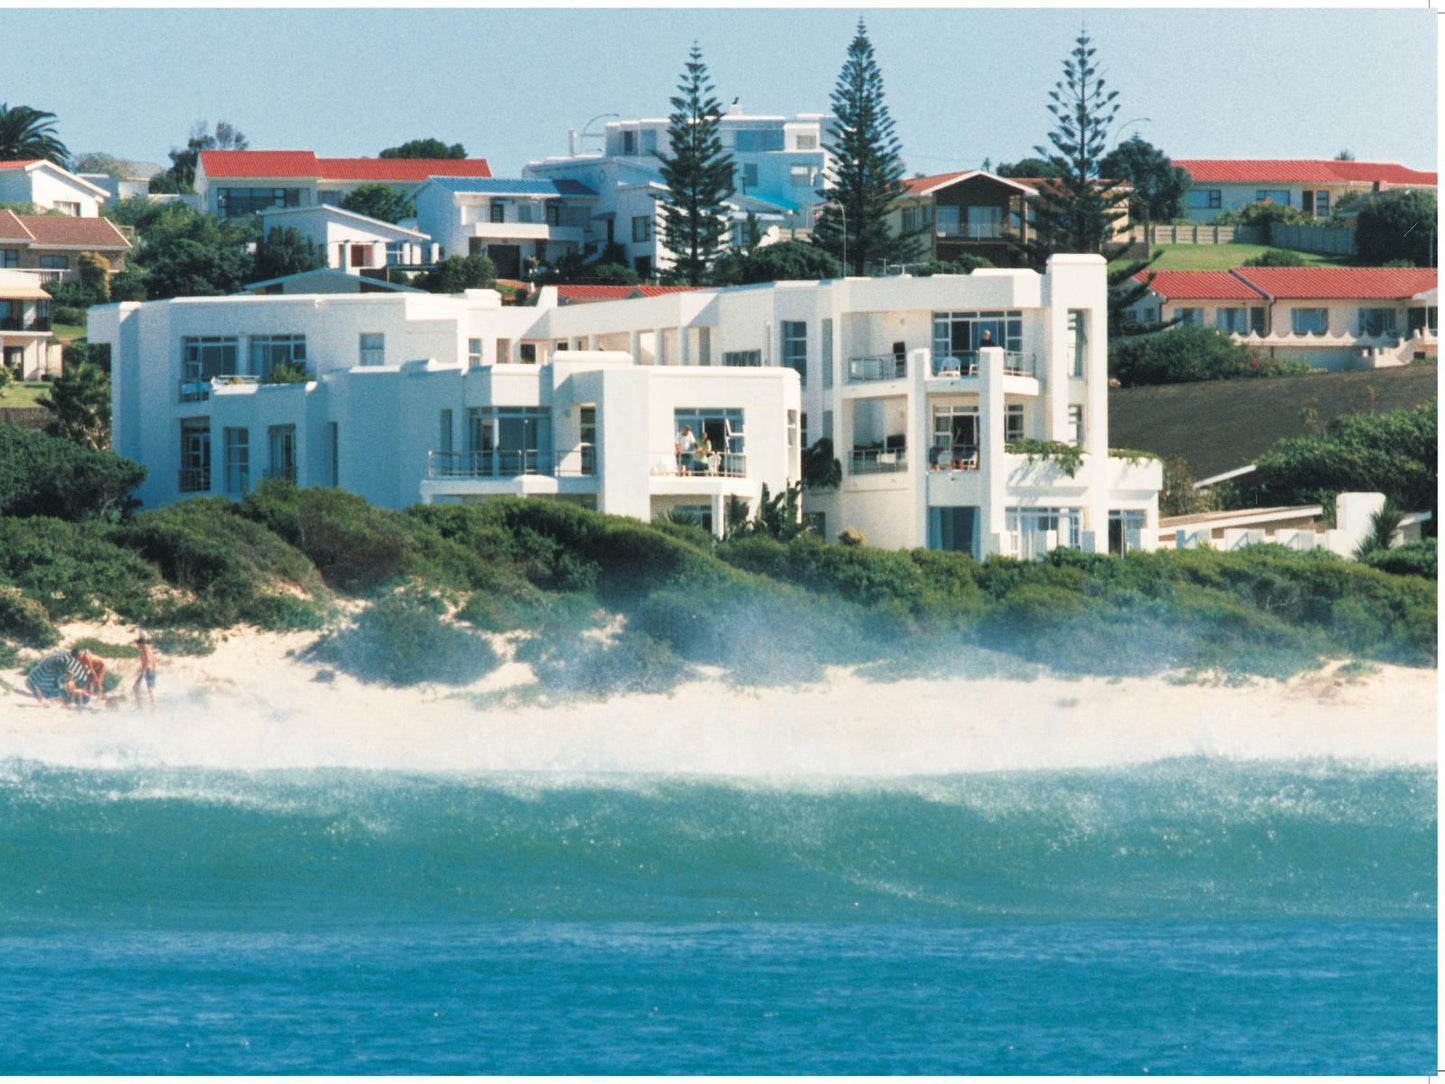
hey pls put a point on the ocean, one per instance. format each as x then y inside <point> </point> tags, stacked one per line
<point>1193,916</point>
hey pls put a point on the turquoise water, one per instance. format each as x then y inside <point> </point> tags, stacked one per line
<point>1189,917</point>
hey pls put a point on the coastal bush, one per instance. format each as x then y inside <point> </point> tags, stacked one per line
<point>106,650</point>
<point>176,641</point>
<point>229,563</point>
<point>73,569</point>
<point>25,620</point>
<point>41,475</point>
<point>588,666</point>
<point>404,638</point>
<point>354,545</point>
<point>1411,559</point>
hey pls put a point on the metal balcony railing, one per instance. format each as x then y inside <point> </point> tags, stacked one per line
<point>20,323</point>
<point>711,465</point>
<point>1015,363</point>
<point>496,463</point>
<point>879,460</point>
<point>975,231</point>
<point>872,367</point>
<point>953,457</point>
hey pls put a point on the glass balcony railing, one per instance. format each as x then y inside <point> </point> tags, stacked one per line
<point>877,367</point>
<point>879,460</point>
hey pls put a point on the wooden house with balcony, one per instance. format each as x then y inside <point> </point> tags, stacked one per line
<point>967,213</point>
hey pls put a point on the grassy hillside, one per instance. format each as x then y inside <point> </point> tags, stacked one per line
<point>606,604</point>
<point>1216,426</point>
<point>1220,257</point>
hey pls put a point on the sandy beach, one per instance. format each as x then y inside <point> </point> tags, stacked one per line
<point>254,704</point>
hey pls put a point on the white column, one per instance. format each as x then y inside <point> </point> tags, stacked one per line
<point>991,453</point>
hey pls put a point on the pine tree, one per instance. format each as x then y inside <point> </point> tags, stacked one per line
<point>698,175</point>
<point>1077,210</point>
<point>867,167</point>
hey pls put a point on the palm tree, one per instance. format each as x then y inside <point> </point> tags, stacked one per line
<point>29,133</point>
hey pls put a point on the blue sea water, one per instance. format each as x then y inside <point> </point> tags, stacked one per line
<point>1193,916</point>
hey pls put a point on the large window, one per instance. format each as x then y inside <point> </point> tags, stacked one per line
<point>953,529</point>
<point>238,461</point>
<point>1205,199</point>
<point>195,455</point>
<point>1013,422</point>
<point>1312,321</point>
<point>504,442</point>
<point>1032,525</point>
<point>1077,341</point>
<point>1189,316</point>
<point>236,202</point>
<point>269,351</point>
<point>1376,322</point>
<point>395,253</point>
<point>795,347</point>
<point>54,263</point>
<point>807,142</point>
<point>955,437</point>
<point>960,334</point>
<point>642,228</point>
<point>1124,531</point>
<point>497,211</point>
<point>754,140</point>
<point>1233,320</point>
<point>743,359</point>
<point>281,440</point>
<point>724,431</point>
<point>1273,195</point>
<point>9,257</point>
<point>827,358</point>
<point>372,348</point>
<point>208,357</point>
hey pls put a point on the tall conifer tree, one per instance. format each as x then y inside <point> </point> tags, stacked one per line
<point>867,167</point>
<point>698,175</point>
<point>1076,211</point>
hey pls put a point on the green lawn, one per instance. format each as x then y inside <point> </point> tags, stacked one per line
<point>1218,257</point>
<point>67,331</point>
<point>18,394</point>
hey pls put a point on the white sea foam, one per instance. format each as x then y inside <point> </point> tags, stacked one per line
<point>252,707</point>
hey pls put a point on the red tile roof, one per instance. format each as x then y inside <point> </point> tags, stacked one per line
<point>306,164</point>
<point>616,293</point>
<point>1285,170</point>
<point>1341,283</point>
<point>1200,285</point>
<point>914,185</point>
<point>61,231</point>
<point>1294,283</point>
<point>19,163</point>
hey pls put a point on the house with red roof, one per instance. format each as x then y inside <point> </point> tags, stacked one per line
<point>49,187</point>
<point>973,212</point>
<point>1330,317</point>
<point>49,246</point>
<point>232,184</point>
<point>1314,186</point>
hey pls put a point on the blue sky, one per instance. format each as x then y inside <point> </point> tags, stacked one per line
<point>962,84</point>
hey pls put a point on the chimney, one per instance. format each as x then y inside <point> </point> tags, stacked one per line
<point>571,142</point>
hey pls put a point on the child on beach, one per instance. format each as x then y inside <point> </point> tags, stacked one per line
<point>147,670</point>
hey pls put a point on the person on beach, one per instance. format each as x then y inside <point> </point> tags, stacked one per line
<point>56,677</point>
<point>147,670</point>
<point>95,674</point>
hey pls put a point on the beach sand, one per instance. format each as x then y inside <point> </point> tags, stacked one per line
<point>254,704</point>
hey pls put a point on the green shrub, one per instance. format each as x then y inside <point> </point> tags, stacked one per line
<point>104,649</point>
<point>228,562</point>
<point>25,620</point>
<point>68,314</point>
<point>403,638</point>
<point>1276,257</point>
<point>41,475</point>
<point>183,642</point>
<point>585,666</point>
<point>74,570</point>
<point>1411,559</point>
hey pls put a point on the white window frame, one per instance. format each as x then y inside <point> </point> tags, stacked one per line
<point>371,348</point>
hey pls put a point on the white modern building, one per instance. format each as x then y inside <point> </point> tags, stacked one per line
<point>508,221</point>
<point>779,164</point>
<point>945,440</point>
<point>353,242</point>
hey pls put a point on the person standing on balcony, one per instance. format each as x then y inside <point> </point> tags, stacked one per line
<point>986,340</point>
<point>684,446</point>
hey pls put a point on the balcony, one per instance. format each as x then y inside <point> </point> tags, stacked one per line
<point>953,457</point>
<point>974,231</point>
<point>876,460</point>
<point>1015,363</point>
<point>863,370</point>
<point>496,463</point>
<point>198,389</point>
<point>714,465</point>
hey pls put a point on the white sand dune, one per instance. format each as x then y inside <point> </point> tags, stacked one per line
<point>253,705</point>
